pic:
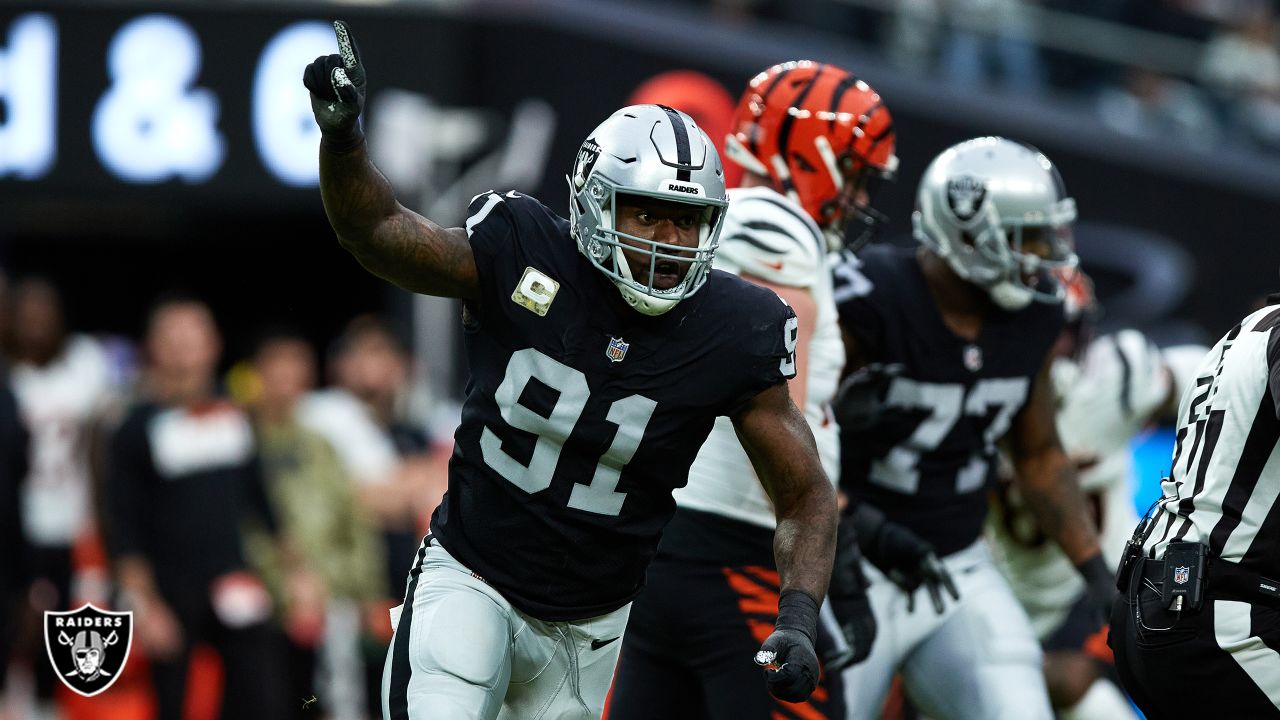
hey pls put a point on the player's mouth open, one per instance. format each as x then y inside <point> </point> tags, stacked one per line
<point>666,274</point>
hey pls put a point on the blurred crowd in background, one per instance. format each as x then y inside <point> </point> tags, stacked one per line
<point>261,510</point>
<point>1205,72</point>
<point>260,526</point>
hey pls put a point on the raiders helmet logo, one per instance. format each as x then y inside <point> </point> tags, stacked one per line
<point>965,195</point>
<point>88,647</point>
<point>587,156</point>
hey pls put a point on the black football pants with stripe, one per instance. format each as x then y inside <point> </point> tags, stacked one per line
<point>690,643</point>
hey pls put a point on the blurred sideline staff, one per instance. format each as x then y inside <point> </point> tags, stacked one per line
<point>182,474</point>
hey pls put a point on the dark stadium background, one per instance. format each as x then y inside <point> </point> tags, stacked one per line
<point>1177,230</point>
<point>1179,239</point>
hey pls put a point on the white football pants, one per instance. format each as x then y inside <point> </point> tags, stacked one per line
<point>461,652</point>
<point>978,659</point>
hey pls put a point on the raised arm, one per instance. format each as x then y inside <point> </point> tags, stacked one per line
<point>387,238</point>
<point>781,447</point>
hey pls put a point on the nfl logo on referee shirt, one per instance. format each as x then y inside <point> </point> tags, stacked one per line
<point>1180,574</point>
<point>88,646</point>
<point>617,349</point>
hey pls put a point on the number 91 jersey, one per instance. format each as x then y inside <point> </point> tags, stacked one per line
<point>582,415</point>
<point>929,463</point>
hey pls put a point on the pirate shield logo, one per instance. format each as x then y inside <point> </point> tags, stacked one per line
<point>586,160</point>
<point>965,195</point>
<point>88,647</point>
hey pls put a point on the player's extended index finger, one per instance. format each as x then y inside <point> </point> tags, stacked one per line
<point>347,49</point>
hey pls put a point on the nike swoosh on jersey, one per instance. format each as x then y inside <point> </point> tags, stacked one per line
<point>597,643</point>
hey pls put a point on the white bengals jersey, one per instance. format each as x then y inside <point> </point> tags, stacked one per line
<point>768,236</point>
<point>1104,399</point>
<point>59,403</point>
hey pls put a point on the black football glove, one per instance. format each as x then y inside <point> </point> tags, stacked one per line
<point>848,596</point>
<point>1099,587</point>
<point>860,402</point>
<point>337,85</point>
<point>908,560</point>
<point>787,655</point>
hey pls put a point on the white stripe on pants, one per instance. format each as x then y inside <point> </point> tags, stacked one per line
<point>1233,628</point>
<point>978,660</point>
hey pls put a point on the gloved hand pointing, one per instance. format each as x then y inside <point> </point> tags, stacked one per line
<point>337,85</point>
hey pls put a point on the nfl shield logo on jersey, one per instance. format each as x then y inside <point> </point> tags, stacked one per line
<point>972,358</point>
<point>88,647</point>
<point>617,349</point>
<point>1180,574</point>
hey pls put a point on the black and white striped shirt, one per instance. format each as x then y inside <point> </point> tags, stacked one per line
<point>1225,476</point>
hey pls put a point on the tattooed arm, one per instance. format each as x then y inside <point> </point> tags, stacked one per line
<point>388,239</point>
<point>781,447</point>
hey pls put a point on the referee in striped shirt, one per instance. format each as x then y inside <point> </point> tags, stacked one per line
<point>1196,628</point>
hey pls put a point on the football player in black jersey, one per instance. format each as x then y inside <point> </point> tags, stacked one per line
<point>952,344</point>
<point>601,351</point>
<point>813,140</point>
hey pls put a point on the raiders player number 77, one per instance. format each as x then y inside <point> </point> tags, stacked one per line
<point>601,350</point>
<point>967,319</point>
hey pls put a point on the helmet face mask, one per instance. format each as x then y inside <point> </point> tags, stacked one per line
<point>647,153</point>
<point>996,211</point>
<point>823,138</point>
<point>853,220</point>
<point>1082,311</point>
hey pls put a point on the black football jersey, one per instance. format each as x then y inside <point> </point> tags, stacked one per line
<point>929,464</point>
<point>582,415</point>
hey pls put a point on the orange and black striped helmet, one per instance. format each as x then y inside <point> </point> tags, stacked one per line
<point>825,139</point>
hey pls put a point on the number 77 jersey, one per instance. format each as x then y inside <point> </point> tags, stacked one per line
<point>930,463</point>
<point>582,415</point>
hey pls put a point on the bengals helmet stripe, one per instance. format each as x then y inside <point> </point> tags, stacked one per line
<point>847,82</point>
<point>784,132</point>
<point>769,91</point>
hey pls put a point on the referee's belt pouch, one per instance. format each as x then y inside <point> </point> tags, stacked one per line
<point>1132,552</point>
<point>1184,571</point>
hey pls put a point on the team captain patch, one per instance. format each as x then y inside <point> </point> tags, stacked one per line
<point>535,291</point>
